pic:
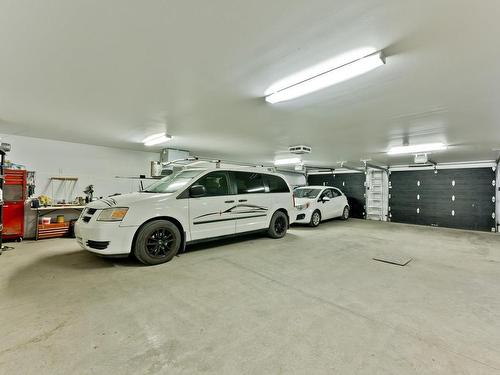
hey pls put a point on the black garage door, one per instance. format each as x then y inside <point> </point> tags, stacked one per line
<point>453,198</point>
<point>351,184</point>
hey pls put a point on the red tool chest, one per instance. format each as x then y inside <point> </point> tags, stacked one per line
<point>14,195</point>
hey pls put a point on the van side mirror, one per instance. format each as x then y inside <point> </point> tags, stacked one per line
<point>325,199</point>
<point>197,191</point>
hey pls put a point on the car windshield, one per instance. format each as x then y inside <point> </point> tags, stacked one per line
<point>306,193</point>
<point>174,182</point>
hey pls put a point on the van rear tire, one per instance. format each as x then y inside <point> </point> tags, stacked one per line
<point>278,225</point>
<point>157,242</point>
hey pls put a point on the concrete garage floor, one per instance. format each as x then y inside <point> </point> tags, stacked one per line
<point>312,303</point>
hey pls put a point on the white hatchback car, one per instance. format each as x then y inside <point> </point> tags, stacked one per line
<point>192,205</point>
<point>317,203</point>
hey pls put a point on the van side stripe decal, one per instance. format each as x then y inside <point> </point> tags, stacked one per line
<point>228,219</point>
<point>246,209</point>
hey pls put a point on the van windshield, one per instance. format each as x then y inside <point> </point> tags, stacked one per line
<point>306,193</point>
<point>174,182</point>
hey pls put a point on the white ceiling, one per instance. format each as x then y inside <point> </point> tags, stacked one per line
<point>112,72</point>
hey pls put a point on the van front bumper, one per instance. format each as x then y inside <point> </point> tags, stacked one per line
<point>105,238</point>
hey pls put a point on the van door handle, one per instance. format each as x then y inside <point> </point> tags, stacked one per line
<point>242,200</point>
<point>229,202</point>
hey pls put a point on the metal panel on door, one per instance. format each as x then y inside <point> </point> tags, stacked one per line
<point>454,198</point>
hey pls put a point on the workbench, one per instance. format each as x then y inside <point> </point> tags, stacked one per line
<point>53,230</point>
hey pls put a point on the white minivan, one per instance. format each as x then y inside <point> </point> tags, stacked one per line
<point>191,205</point>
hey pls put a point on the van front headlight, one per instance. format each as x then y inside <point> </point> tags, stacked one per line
<point>113,214</point>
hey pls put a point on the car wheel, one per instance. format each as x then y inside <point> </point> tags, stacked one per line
<point>345,213</point>
<point>278,225</point>
<point>157,242</point>
<point>315,219</point>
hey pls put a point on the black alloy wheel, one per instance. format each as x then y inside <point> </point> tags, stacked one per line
<point>278,225</point>
<point>157,242</point>
<point>160,242</point>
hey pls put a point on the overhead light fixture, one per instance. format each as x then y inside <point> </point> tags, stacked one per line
<point>156,139</point>
<point>288,161</point>
<point>414,149</point>
<point>330,76</point>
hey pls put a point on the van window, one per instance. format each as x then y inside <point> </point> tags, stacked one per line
<point>276,184</point>
<point>173,182</point>
<point>249,183</point>
<point>215,183</point>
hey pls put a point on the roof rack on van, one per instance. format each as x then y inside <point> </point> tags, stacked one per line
<point>192,161</point>
<point>187,160</point>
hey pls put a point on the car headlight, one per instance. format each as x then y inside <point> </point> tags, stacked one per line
<point>112,214</point>
<point>302,206</point>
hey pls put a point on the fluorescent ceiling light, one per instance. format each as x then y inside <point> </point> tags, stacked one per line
<point>413,149</point>
<point>320,80</point>
<point>288,161</point>
<point>156,139</point>
<point>152,137</point>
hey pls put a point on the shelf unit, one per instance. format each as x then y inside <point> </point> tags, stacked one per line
<point>53,230</point>
<point>14,195</point>
<point>62,178</point>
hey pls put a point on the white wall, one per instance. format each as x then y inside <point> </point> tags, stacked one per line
<point>94,165</point>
